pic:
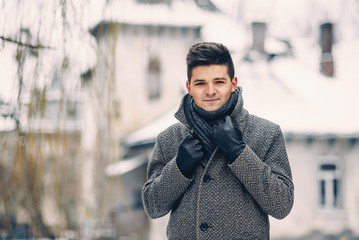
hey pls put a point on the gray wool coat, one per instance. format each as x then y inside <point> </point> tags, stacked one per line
<point>221,201</point>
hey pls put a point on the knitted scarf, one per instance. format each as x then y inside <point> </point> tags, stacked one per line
<point>202,121</point>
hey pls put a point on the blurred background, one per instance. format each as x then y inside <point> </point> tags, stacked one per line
<point>85,87</point>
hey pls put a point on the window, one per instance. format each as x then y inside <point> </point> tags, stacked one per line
<point>154,78</point>
<point>330,174</point>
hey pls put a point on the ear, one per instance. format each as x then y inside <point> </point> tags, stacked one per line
<point>188,86</point>
<point>234,84</point>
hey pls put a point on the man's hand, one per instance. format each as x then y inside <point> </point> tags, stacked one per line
<point>190,153</point>
<point>228,138</point>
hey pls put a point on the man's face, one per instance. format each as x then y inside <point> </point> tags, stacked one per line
<point>211,86</point>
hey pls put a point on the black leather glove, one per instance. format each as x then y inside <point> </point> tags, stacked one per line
<point>190,153</point>
<point>228,138</point>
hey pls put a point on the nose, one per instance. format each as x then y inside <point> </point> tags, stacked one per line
<point>210,89</point>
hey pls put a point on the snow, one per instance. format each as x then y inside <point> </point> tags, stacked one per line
<point>150,131</point>
<point>329,101</point>
<point>123,167</point>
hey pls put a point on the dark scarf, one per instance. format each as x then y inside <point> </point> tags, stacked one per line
<point>202,121</point>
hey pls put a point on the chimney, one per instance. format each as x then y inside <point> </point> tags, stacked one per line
<point>326,42</point>
<point>258,35</point>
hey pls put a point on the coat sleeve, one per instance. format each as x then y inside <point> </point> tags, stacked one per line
<point>269,181</point>
<point>165,183</point>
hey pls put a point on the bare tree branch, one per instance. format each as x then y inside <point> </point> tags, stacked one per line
<point>25,44</point>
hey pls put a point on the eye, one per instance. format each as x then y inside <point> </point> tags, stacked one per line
<point>219,82</point>
<point>199,83</point>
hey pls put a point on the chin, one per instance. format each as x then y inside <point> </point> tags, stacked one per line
<point>211,109</point>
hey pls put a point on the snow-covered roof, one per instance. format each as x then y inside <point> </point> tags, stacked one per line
<point>176,14</point>
<point>149,132</point>
<point>293,92</point>
<point>123,167</point>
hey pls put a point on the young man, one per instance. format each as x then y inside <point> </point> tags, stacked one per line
<point>220,171</point>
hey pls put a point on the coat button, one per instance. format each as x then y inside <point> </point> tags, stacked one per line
<point>207,178</point>
<point>204,226</point>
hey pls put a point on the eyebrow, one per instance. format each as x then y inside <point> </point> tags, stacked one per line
<point>198,80</point>
<point>216,79</point>
<point>221,78</point>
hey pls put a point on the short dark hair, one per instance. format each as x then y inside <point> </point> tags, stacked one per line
<point>208,53</point>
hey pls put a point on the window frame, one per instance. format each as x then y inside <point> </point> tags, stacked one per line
<point>330,182</point>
